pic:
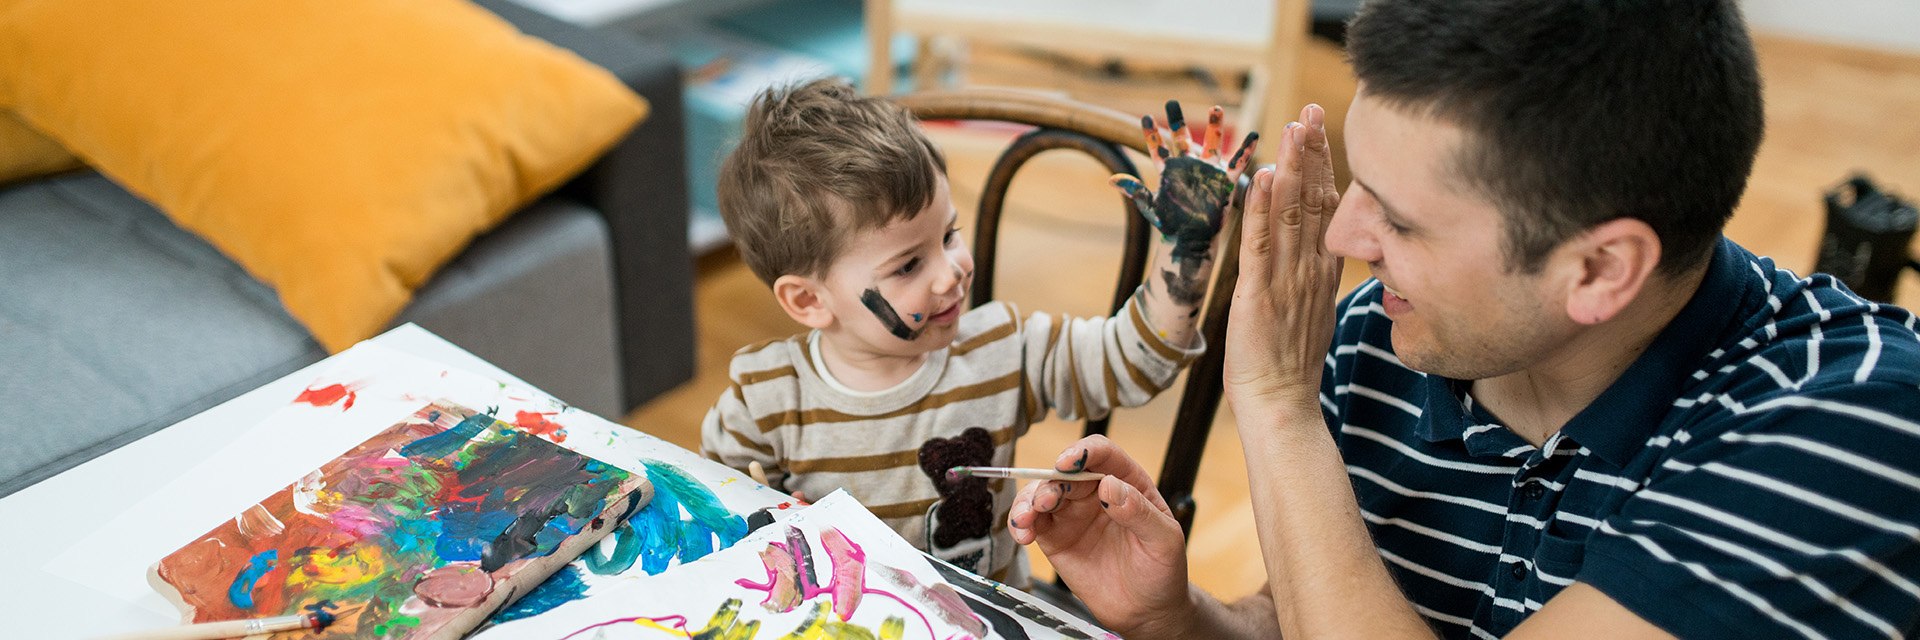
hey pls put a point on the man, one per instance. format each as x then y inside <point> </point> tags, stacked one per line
<point>1566,404</point>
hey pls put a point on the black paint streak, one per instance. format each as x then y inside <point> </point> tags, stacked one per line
<point>1175,119</point>
<point>759,519</point>
<point>1081,464</point>
<point>1244,143</point>
<point>1188,286</point>
<point>979,588</point>
<point>877,304</point>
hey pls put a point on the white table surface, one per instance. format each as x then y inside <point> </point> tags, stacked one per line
<point>49,519</point>
<point>77,546</point>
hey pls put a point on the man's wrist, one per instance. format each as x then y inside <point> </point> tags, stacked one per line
<point>1182,618</point>
<point>1282,422</point>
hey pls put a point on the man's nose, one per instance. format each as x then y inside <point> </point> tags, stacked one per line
<point>1346,237</point>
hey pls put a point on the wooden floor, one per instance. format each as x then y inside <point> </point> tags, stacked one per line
<point>1830,110</point>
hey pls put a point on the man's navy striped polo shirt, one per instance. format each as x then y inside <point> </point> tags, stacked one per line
<point>1755,473</point>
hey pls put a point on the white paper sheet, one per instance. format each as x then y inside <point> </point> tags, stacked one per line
<point>832,569</point>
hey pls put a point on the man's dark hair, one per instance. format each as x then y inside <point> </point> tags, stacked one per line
<point>1579,111</point>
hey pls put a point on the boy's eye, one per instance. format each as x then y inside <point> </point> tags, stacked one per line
<point>952,234</point>
<point>908,268</point>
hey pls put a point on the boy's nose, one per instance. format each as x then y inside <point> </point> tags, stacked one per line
<point>955,274</point>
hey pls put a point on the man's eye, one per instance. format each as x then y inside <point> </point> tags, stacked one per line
<point>908,268</point>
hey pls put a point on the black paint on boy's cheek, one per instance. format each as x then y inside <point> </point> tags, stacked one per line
<point>877,304</point>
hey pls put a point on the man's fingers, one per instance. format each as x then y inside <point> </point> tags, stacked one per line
<point>1021,518</point>
<point>1098,454</point>
<point>1318,196</point>
<point>1256,234</point>
<point>1145,519</point>
<point>1285,198</point>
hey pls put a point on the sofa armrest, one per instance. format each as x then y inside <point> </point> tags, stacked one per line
<point>640,186</point>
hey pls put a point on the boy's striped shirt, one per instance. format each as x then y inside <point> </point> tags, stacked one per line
<point>967,403</point>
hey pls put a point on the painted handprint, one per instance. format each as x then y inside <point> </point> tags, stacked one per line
<point>1193,195</point>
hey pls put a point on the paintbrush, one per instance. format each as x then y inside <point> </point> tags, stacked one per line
<point>957,473</point>
<point>312,620</point>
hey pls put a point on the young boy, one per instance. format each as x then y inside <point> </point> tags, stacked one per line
<point>840,204</point>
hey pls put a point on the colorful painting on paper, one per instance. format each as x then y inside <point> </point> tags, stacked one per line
<point>831,570</point>
<point>421,531</point>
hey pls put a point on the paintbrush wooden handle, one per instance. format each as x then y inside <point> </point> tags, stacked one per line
<point>225,629</point>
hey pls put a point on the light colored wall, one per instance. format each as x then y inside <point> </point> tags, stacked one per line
<point>1883,24</point>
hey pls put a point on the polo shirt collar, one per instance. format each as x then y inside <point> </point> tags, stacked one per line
<point>1620,421</point>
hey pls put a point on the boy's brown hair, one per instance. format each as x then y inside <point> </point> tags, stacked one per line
<point>817,162</point>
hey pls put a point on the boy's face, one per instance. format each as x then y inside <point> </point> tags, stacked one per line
<point>899,290</point>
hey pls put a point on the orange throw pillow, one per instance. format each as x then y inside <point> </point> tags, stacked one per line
<point>340,150</point>
<point>25,153</point>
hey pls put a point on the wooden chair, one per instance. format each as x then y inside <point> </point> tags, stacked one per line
<point>1101,133</point>
<point>1264,38</point>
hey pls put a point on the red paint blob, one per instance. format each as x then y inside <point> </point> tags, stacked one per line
<point>536,423</point>
<point>328,395</point>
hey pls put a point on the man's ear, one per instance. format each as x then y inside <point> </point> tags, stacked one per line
<point>1610,265</point>
<point>804,300</point>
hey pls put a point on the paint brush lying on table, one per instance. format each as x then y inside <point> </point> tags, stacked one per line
<point>957,473</point>
<point>315,621</point>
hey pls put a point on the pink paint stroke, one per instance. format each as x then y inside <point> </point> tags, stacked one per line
<point>808,591</point>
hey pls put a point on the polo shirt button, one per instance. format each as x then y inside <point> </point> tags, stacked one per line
<point>1519,571</point>
<point>1533,489</point>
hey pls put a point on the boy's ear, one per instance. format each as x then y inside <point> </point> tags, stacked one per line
<point>804,300</point>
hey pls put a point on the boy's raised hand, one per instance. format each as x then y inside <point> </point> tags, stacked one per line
<point>1193,190</point>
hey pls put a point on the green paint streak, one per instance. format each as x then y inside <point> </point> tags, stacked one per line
<point>394,624</point>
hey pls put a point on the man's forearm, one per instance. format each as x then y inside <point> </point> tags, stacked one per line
<point>1326,575</point>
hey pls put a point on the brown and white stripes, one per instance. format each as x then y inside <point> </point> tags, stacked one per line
<point>1000,375</point>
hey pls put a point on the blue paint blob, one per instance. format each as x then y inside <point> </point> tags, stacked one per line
<point>466,530</point>
<point>241,593</point>
<point>657,535</point>
<point>565,586</point>
<point>440,444</point>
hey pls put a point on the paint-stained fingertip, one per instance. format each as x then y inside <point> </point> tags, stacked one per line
<point>1175,118</point>
<point>1125,181</point>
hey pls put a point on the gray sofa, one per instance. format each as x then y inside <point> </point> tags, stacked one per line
<point>115,323</point>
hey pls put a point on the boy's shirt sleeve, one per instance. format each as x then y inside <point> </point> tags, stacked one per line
<point>731,436</point>
<point>1084,367</point>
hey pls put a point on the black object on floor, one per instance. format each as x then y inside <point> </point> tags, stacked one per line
<point>1868,232</point>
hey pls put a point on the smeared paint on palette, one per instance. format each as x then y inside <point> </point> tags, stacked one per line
<point>421,531</point>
